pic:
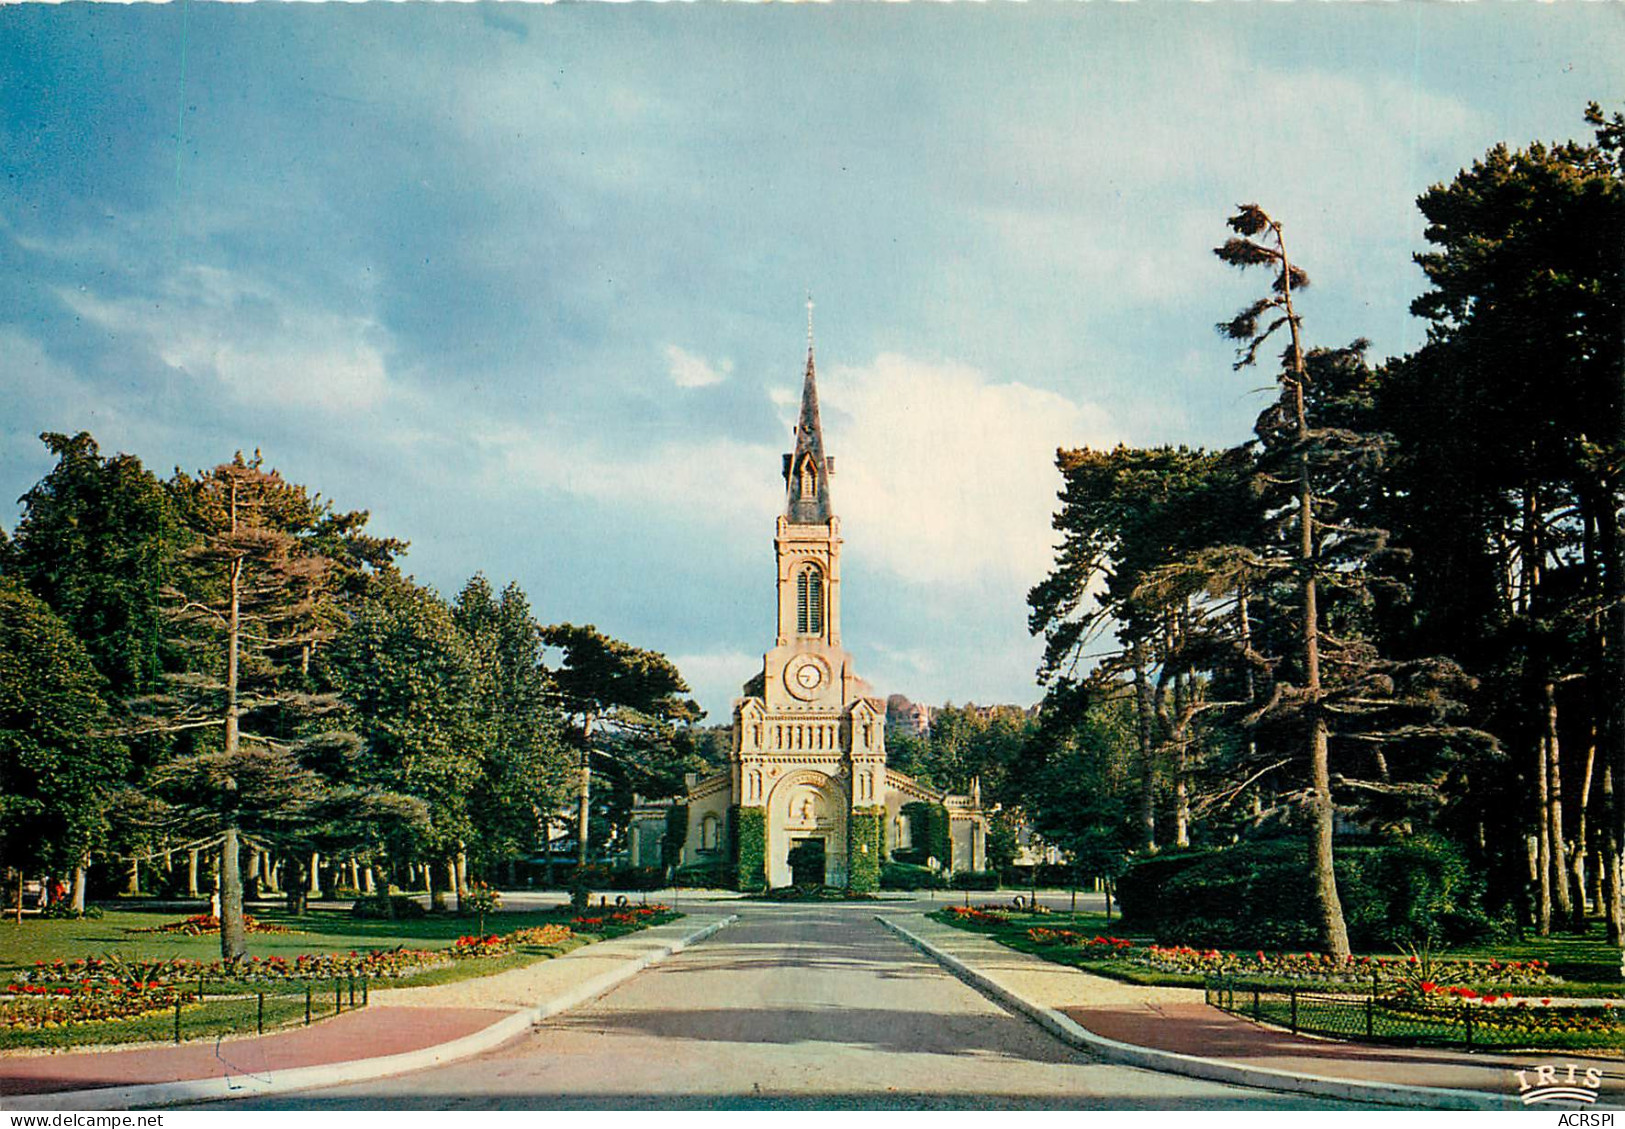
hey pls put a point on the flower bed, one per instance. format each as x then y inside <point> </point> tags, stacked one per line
<point>1316,968</point>
<point>378,964</point>
<point>473,948</point>
<point>541,935</point>
<point>981,915</point>
<point>624,917</point>
<point>199,924</point>
<point>40,1005</point>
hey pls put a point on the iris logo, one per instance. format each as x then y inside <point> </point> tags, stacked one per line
<point>1565,1082</point>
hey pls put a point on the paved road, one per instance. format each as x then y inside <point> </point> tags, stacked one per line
<point>793,1007</point>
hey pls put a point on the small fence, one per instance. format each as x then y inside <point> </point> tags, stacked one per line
<point>1366,1016</point>
<point>235,1008</point>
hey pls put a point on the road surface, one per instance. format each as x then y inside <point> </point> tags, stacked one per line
<point>793,1007</point>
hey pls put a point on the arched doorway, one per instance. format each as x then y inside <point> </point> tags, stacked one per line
<point>806,814</point>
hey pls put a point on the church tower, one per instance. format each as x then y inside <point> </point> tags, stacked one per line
<point>811,750</point>
<point>806,797</point>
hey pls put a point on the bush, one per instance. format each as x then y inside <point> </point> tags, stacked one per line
<point>929,831</point>
<point>748,837</point>
<point>709,875</point>
<point>1261,895</point>
<point>64,909</point>
<point>904,876</point>
<point>864,831</point>
<point>381,907</point>
<point>976,880</point>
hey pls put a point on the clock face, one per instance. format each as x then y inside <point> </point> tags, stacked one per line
<point>805,676</point>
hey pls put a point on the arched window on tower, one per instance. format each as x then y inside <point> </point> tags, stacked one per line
<point>810,601</point>
<point>809,480</point>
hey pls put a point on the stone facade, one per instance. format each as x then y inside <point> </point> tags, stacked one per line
<point>809,751</point>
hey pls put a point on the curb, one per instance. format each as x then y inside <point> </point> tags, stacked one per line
<point>149,1094</point>
<point>1193,1066</point>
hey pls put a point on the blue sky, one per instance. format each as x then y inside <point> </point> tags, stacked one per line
<point>528,282</point>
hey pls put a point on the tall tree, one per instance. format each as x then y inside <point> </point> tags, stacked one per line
<point>95,543</point>
<point>58,767</point>
<point>419,693</point>
<point>246,600</point>
<point>604,683</point>
<point>524,774</point>
<point>1518,565</point>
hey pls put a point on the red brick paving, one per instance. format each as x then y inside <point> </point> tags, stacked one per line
<point>1196,1029</point>
<point>371,1033</point>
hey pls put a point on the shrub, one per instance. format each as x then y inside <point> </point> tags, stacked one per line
<point>748,834</point>
<point>976,880</point>
<point>712,875</point>
<point>1260,894</point>
<point>928,830</point>
<point>903,876</point>
<point>64,909</point>
<point>380,907</point>
<point>863,849</point>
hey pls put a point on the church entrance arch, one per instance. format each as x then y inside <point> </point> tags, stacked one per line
<point>806,814</point>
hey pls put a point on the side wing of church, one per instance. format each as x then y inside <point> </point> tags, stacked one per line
<point>807,795</point>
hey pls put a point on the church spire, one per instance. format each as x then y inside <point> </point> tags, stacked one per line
<point>807,469</point>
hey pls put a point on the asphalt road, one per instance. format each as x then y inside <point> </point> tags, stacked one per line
<point>793,1007</point>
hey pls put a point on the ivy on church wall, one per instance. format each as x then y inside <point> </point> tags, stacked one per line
<point>747,834</point>
<point>929,833</point>
<point>863,849</point>
<point>676,835</point>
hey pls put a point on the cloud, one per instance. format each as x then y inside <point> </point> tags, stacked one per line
<point>258,343</point>
<point>945,476</point>
<point>717,677</point>
<point>718,482</point>
<point>689,371</point>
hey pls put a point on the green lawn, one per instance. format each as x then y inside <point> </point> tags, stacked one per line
<point>320,931</point>
<point>234,1008</point>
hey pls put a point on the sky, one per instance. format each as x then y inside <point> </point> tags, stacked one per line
<point>528,282</point>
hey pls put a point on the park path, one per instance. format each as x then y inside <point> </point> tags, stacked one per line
<point>794,1006</point>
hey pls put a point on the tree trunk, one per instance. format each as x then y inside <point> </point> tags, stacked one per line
<point>1143,710</point>
<point>233,930</point>
<point>1554,805</point>
<point>460,876</point>
<point>79,886</point>
<point>192,890</point>
<point>1334,932</point>
<point>452,885</point>
<point>584,795</point>
<point>1582,837</point>
<point>367,886</point>
<point>1613,895</point>
<point>315,874</point>
<point>132,885</point>
<point>1543,842</point>
<point>295,888</point>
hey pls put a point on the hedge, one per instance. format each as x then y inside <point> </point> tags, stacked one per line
<point>1261,894</point>
<point>906,876</point>
<point>747,836</point>
<point>863,831</point>
<point>928,830</point>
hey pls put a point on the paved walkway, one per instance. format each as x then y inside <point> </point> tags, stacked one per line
<point>1176,1019</point>
<point>368,1033</point>
<point>399,1020</point>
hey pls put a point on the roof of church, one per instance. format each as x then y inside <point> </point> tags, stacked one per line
<point>809,437</point>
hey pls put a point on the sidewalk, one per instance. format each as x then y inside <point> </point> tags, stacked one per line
<point>403,1029</point>
<point>1173,1024</point>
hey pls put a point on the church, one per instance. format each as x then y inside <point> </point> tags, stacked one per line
<point>807,796</point>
